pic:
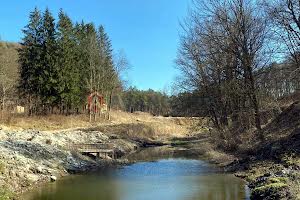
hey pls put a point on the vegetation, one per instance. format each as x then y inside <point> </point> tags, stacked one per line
<point>239,63</point>
<point>228,65</point>
<point>60,64</point>
<point>240,67</point>
<point>156,103</point>
<point>5,194</point>
<point>8,72</point>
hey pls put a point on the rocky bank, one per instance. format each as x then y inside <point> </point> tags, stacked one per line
<point>29,157</point>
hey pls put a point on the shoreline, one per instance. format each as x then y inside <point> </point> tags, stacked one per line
<point>266,179</point>
<point>31,157</point>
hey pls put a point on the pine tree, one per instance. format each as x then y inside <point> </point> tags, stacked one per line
<point>69,71</point>
<point>49,73</point>
<point>108,78</point>
<point>30,59</point>
<point>106,68</point>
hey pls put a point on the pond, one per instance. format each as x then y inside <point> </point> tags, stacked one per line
<point>155,175</point>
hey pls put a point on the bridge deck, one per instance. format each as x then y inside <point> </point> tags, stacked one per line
<point>98,148</point>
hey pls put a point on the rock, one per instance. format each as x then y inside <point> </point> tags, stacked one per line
<point>39,170</point>
<point>32,178</point>
<point>53,178</point>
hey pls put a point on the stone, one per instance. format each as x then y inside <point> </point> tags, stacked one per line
<point>53,178</point>
<point>32,178</point>
<point>39,170</point>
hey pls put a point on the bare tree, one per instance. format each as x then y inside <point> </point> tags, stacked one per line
<point>220,50</point>
<point>285,15</point>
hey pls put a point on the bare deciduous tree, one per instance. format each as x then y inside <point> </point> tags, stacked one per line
<point>285,15</point>
<point>220,50</point>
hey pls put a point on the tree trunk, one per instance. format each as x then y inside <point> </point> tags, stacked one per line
<point>109,104</point>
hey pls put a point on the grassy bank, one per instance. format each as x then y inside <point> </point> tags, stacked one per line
<point>270,166</point>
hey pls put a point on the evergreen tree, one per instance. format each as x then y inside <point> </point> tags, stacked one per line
<point>49,73</point>
<point>81,59</point>
<point>69,71</point>
<point>106,70</point>
<point>108,78</point>
<point>30,59</point>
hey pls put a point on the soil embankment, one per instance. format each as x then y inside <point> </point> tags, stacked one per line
<point>272,166</point>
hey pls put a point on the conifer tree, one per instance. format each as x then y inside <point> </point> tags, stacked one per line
<point>69,71</point>
<point>106,68</point>
<point>30,59</point>
<point>49,72</point>
<point>108,78</point>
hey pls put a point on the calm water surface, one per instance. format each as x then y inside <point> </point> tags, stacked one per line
<point>165,178</point>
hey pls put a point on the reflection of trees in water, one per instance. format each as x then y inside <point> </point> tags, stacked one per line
<point>152,154</point>
<point>218,187</point>
<point>164,152</point>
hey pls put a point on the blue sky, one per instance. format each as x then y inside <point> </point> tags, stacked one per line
<point>147,30</point>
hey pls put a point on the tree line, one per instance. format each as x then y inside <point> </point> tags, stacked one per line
<point>236,54</point>
<point>61,63</point>
<point>156,103</point>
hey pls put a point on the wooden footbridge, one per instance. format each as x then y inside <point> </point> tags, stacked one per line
<point>99,150</point>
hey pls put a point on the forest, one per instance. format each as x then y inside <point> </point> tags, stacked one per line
<point>57,65</point>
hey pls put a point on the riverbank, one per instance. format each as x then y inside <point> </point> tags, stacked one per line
<point>269,179</point>
<point>31,157</point>
<point>270,166</point>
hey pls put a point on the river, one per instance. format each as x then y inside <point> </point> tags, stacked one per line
<point>154,175</point>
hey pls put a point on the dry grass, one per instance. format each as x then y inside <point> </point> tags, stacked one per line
<point>50,122</point>
<point>134,124</point>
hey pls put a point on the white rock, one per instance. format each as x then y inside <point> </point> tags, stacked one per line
<point>39,170</point>
<point>53,178</point>
<point>32,177</point>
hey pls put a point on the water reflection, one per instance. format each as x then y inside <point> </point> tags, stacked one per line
<point>164,179</point>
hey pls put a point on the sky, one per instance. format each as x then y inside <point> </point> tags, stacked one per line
<point>146,30</point>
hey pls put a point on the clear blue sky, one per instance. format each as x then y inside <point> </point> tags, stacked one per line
<point>147,30</point>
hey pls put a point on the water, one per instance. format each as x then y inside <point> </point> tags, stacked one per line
<point>165,178</point>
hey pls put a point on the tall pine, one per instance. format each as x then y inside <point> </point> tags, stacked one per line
<point>69,69</point>
<point>30,59</point>
<point>49,73</point>
<point>107,74</point>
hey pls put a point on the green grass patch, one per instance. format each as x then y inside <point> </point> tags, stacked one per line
<point>271,190</point>
<point>5,194</point>
<point>277,180</point>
